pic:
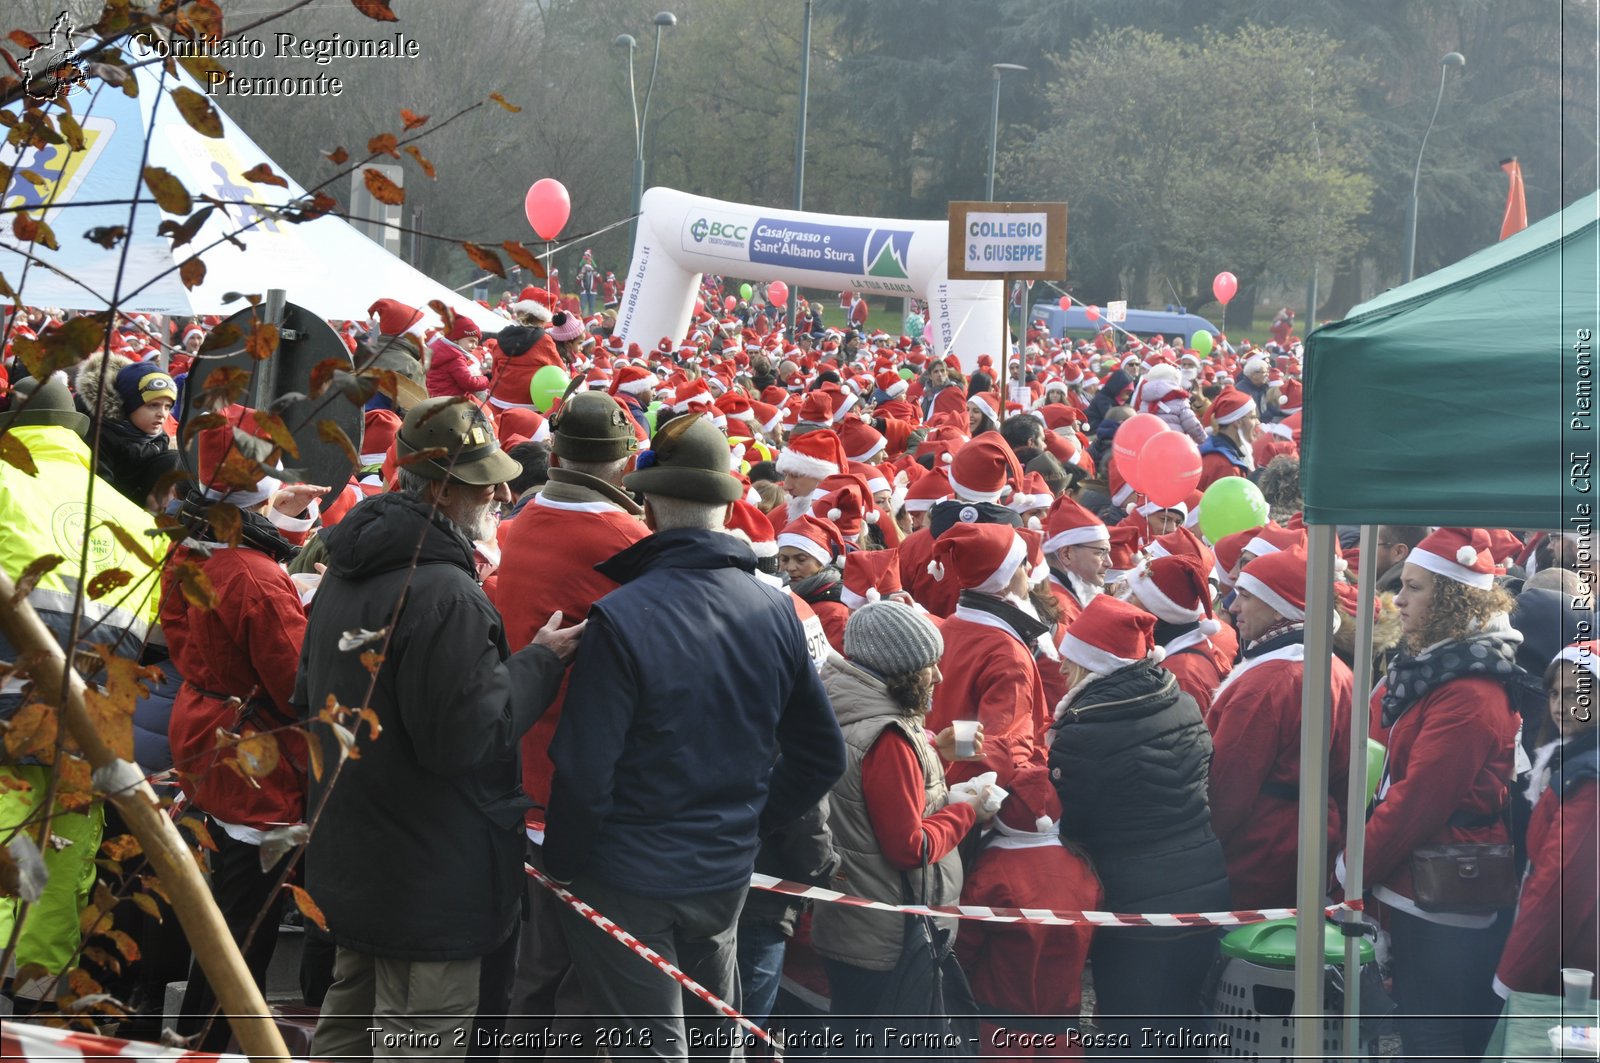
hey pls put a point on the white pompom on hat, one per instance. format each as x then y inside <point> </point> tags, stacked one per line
<point>1460,554</point>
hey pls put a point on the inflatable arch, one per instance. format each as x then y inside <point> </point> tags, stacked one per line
<point>681,237</point>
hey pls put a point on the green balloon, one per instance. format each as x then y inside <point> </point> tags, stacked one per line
<point>1202,342</point>
<point>650,415</point>
<point>548,385</point>
<point>1230,505</point>
<point>745,292</point>
<point>906,372</point>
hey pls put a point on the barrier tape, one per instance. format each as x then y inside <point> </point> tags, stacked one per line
<point>44,1044</point>
<point>660,962</point>
<point>1041,916</point>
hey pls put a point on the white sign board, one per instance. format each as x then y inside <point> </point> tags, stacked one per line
<point>1005,243</point>
<point>1117,311</point>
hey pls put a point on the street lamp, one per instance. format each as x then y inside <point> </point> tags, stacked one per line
<point>663,20</point>
<point>994,122</point>
<point>1450,60</point>
<point>800,147</point>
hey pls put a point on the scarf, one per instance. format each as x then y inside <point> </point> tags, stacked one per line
<point>1490,654</point>
<point>1027,627</point>
<point>821,586</point>
<point>1217,443</point>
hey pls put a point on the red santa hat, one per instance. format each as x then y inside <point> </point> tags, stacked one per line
<point>1229,549</point>
<point>1175,589</point>
<point>395,318</point>
<point>1033,494</point>
<point>1031,805</point>
<point>767,417</point>
<point>377,435</point>
<point>748,522</point>
<point>536,302</point>
<point>1110,634</point>
<point>979,557</point>
<point>190,329</point>
<point>847,504</point>
<point>462,327</point>
<point>817,408</point>
<point>226,460</point>
<point>926,492</point>
<point>1462,554</point>
<point>1125,539</point>
<point>1271,538</point>
<point>1229,406</point>
<point>633,380</point>
<point>736,404</point>
<point>876,479</point>
<point>1069,524</point>
<point>869,576</point>
<point>988,404</point>
<point>693,393</point>
<point>983,467</point>
<point>524,422</point>
<point>1181,542</point>
<point>861,441</point>
<point>1279,579</point>
<point>892,384</point>
<point>817,454</point>
<point>816,536</point>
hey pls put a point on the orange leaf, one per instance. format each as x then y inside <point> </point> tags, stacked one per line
<point>198,112</point>
<point>381,188</point>
<point>32,729</point>
<point>378,11</point>
<point>278,432</point>
<point>192,273</point>
<point>501,100</point>
<point>108,580</point>
<point>521,255</point>
<point>372,660</point>
<point>196,585</point>
<point>121,847</point>
<point>446,315</point>
<point>338,156</point>
<point>203,18</point>
<point>262,174</point>
<point>23,39</point>
<point>33,231</point>
<point>261,342</point>
<point>34,572</point>
<point>147,904</point>
<point>484,259</point>
<point>412,119</point>
<point>258,755</point>
<point>170,194</point>
<point>197,827</point>
<point>226,522</point>
<point>308,907</point>
<point>329,432</point>
<point>383,144</point>
<point>125,945</point>
<point>422,160</point>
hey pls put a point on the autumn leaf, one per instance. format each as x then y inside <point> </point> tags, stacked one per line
<point>261,342</point>
<point>258,755</point>
<point>81,984</point>
<point>34,572</point>
<point>226,522</point>
<point>314,751</point>
<point>147,904</point>
<point>412,119</point>
<point>329,432</point>
<point>374,728</point>
<point>501,100</point>
<point>262,174</point>
<point>107,236</point>
<point>381,188</point>
<point>108,580</point>
<point>338,156</point>
<point>484,259</point>
<point>278,432</point>
<point>224,335</point>
<point>196,585</point>
<point>125,944</point>
<point>200,18</point>
<point>75,777</point>
<point>372,660</point>
<point>101,957</point>
<point>23,39</point>
<point>72,131</point>
<point>130,543</point>
<point>198,112</point>
<point>521,255</point>
<point>33,231</point>
<point>422,160</point>
<point>446,315</point>
<point>184,231</point>
<point>192,272</point>
<point>378,11</point>
<point>383,144</point>
<point>168,191</point>
<point>112,722</point>
<point>197,829</point>
<point>222,387</point>
<point>204,69</point>
<point>426,454</point>
<point>322,375</point>
<point>121,847</point>
<point>302,899</point>
<point>32,730</point>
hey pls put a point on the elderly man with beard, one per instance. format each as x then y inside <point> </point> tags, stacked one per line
<point>416,859</point>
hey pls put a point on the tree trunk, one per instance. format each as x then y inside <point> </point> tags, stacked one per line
<point>1344,293</point>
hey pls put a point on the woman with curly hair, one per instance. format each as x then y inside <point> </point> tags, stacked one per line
<point>1451,732</point>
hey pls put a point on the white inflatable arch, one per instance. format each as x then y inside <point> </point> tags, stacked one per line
<point>681,237</point>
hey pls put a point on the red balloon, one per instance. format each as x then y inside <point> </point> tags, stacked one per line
<point>1223,286</point>
<point>729,303</point>
<point>547,206</point>
<point>1169,468</point>
<point>778,293</point>
<point>1092,313</point>
<point>1066,302</point>
<point>1129,441</point>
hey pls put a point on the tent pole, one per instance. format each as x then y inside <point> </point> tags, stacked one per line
<point>1316,693</point>
<point>1355,835</point>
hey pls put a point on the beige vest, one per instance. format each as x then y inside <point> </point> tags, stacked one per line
<point>855,935</point>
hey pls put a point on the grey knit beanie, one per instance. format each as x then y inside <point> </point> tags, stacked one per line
<point>892,639</point>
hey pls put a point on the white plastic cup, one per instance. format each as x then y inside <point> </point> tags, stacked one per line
<point>1575,985</point>
<point>967,739</point>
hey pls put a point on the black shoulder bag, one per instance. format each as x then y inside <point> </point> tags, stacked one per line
<point>927,990</point>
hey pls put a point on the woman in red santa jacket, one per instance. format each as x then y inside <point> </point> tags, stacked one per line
<point>1026,977</point>
<point>1556,924</point>
<point>238,658</point>
<point>1447,781</point>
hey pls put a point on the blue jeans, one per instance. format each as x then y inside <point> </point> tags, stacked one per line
<point>1443,985</point>
<point>760,968</point>
<point>587,298</point>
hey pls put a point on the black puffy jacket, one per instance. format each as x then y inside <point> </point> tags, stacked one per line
<point>1130,760</point>
<point>418,855</point>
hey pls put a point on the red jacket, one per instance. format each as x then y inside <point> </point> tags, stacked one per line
<point>452,371</point>
<point>1214,467</point>
<point>990,676</point>
<point>1450,752</point>
<point>247,646</point>
<point>936,596</point>
<point>1199,670</point>
<point>1556,924</point>
<point>834,616</point>
<point>1255,729</point>
<point>547,563</point>
<point>511,379</point>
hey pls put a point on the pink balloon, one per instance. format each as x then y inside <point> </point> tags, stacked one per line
<point>1065,303</point>
<point>778,293</point>
<point>699,307</point>
<point>1129,442</point>
<point>1169,468</point>
<point>1223,286</point>
<point>547,206</point>
<point>1092,313</point>
<point>729,303</point>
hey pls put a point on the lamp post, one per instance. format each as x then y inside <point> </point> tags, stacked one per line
<point>1451,59</point>
<point>800,148</point>
<point>1000,70</point>
<point>641,115</point>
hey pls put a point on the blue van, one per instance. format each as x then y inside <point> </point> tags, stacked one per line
<point>1140,322</point>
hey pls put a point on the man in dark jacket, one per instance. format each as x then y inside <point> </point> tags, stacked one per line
<point>416,859</point>
<point>694,723</point>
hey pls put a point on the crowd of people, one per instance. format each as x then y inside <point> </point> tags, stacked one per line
<point>814,603</point>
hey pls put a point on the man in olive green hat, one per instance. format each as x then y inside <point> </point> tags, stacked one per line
<point>696,723</point>
<point>417,857</point>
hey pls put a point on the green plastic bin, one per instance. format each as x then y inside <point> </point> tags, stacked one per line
<point>1271,944</point>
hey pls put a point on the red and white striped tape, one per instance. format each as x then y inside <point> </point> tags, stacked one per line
<point>660,962</point>
<point>38,1044</point>
<point>1042,916</point>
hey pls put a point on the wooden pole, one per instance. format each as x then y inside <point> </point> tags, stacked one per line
<point>237,994</point>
